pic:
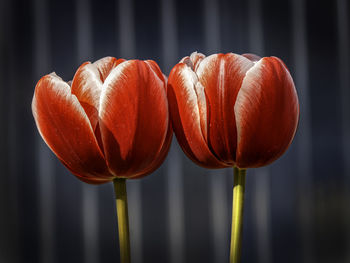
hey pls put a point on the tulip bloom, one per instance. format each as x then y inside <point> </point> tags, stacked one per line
<point>111,122</point>
<point>232,110</point>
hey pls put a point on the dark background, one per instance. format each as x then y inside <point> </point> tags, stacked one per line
<point>296,210</point>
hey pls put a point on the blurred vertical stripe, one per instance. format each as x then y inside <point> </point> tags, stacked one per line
<point>212,28</point>
<point>220,223</point>
<point>344,79</point>
<point>45,167</point>
<point>175,207</point>
<point>303,136</point>
<point>3,204</point>
<point>344,82</point>
<point>170,47</point>
<point>255,27</point>
<point>84,31</point>
<point>8,203</point>
<point>262,214</point>
<point>134,188</point>
<point>126,35</point>
<point>126,40</point>
<point>11,145</point>
<point>90,216</point>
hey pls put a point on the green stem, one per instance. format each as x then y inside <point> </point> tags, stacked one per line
<point>237,214</point>
<point>123,219</point>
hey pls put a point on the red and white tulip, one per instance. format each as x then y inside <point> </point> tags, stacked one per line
<point>111,122</point>
<point>233,110</point>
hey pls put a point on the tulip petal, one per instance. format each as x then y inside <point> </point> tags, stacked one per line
<point>160,157</point>
<point>222,76</point>
<point>188,109</point>
<point>133,117</point>
<point>167,142</point>
<point>267,113</point>
<point>196,59</point>
<point>89,180</point>
<point>87,86</point>
<point>193,60</point>
<point>106,65</point>
<point>66,129</point>
<point>95,181</point>
<point>154,66</point>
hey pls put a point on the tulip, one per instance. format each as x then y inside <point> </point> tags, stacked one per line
<point>110,123</point>
<point>232,110</point>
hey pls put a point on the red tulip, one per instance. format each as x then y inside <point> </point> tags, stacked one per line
<point>230,109</point>
<point>111,122</point>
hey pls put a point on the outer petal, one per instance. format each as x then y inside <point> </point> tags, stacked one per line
<point>89,180</point>
<point>193,60</point>
<point>267,113</point>
<point>66,129</point>
<point>167,142</point>
<point>154,66</point>
<point>133,117</point>
<point>188,111</point>
<point>87,86</point>
<point>106,65</point>
<point>196,59</point>
<point>161,156</point>
<point>222,76</point>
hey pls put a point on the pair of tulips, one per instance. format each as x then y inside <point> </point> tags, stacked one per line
<point>115,119</point>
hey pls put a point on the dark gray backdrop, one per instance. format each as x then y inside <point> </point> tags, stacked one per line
<point>297,210</point>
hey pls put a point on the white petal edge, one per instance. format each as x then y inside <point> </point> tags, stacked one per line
<point>243,97</point>
<point>196,98</point>
<point>89,73</point>
<point>62,89</point>
<point>113,76</point>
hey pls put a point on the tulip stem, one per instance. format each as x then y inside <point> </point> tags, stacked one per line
<point>123,219</point>
<point>237,214</point>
